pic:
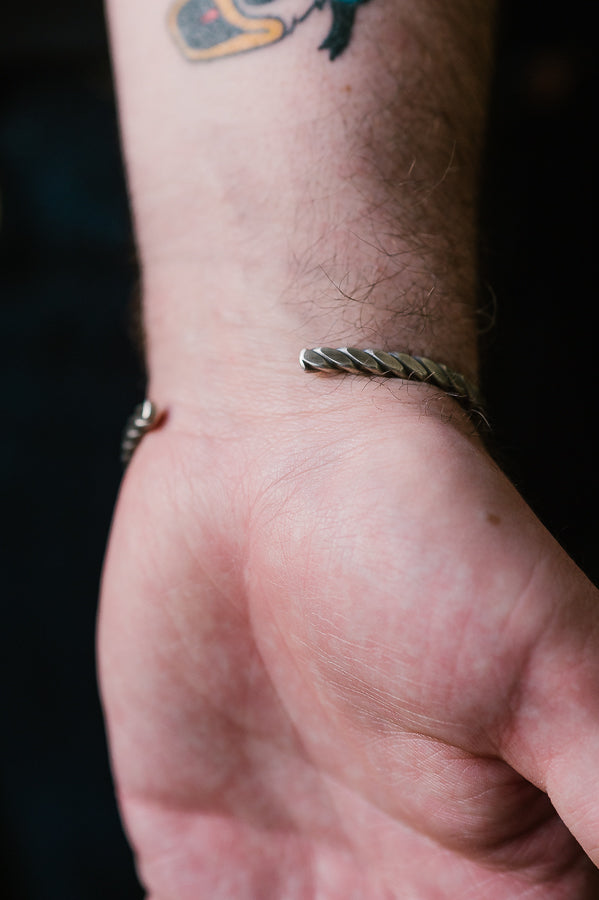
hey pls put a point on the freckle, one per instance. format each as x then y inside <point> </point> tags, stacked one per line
<point>347,88</point>
<point>493,519</point>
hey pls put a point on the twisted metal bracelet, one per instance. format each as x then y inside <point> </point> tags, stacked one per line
<point>393,365</point>
<point>143,418</point>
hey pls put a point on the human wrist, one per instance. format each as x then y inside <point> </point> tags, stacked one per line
<point>194,337</point>
<point>343,263</point>
<point>236,380</point>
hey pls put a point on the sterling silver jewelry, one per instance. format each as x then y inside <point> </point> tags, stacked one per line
<point>392,365</point>
<point>143,418</point>
<point>327,360</point>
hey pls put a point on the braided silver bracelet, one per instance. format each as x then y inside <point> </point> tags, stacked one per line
<point>327,360</point>
<point>393,365</point>
<point>143,418</point>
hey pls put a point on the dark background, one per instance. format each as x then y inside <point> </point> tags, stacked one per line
<point>71,376</point>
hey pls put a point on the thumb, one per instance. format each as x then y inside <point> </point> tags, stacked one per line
<point>553,736</point>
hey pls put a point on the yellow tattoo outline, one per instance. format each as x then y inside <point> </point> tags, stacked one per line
<point>258,32</point>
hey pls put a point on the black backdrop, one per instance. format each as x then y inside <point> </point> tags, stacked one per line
<point>70,377</point>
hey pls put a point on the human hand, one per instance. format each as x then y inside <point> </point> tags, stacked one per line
<point>340,658</point>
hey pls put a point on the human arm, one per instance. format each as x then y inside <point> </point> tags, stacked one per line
<point>334,640</point>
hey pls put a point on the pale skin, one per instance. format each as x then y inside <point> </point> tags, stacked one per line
<point>340,658</point>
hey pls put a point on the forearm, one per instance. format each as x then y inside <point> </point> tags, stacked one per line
<point>282,199</point>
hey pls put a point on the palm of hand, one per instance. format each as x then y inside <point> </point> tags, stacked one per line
<point>305,704</point>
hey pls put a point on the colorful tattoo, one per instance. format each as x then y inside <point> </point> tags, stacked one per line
<point>212,29</point>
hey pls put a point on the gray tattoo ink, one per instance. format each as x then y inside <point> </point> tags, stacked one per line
<point>213,29</point>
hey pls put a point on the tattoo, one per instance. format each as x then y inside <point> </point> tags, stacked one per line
<point>213,29</point>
